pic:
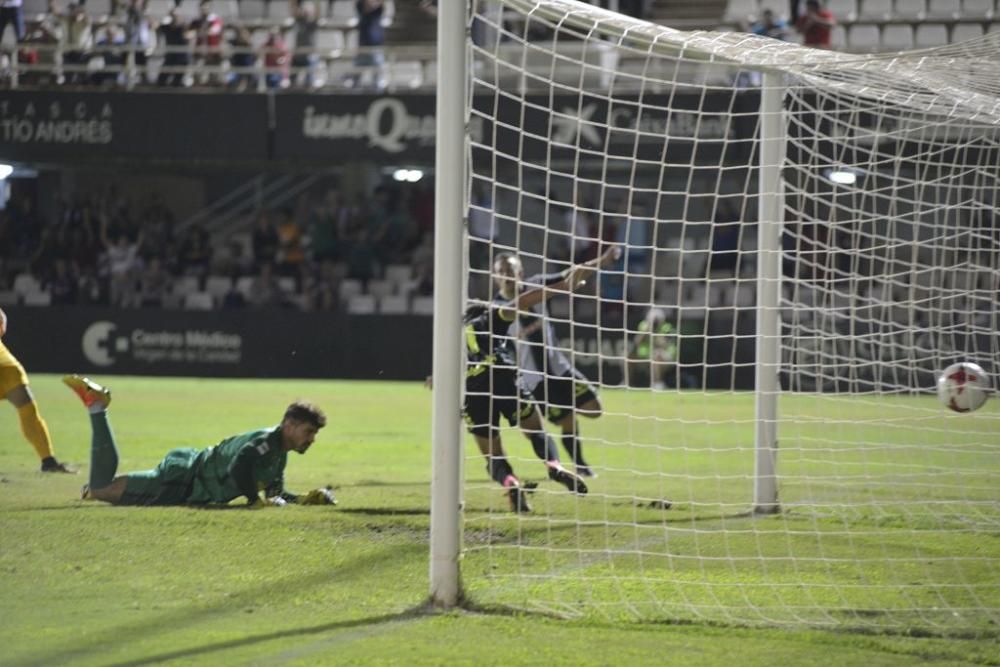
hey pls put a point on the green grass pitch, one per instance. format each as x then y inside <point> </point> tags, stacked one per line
<point>603,580</point>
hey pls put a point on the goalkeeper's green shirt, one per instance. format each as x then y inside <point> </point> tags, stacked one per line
<point>242,465</point>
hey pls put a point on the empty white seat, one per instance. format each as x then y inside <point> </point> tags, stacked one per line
<point>363,304</point>
<point>244,285</point>
<point>25,283</point>
<point>930,34</point>
<point>9,297</point>
<point>977,9</point>
<point>778,7</point>
<point>838,37</point>
<point>330,40</point>
<point>278,10</point>
<point>843,10</point>
<point>287,284</point>
<point>910,9</point>
<point>198,301</point>
<point>33,7</point>
<point>380,288</point>
<point>876,9</point>
<point>962,32</point>
<point>897,37</point>
<point>405,74</point>
<point>157,9</point>
<point>343,13</point>
<point>944,9</point>
<point>349,288</point>
<point>218,286</point>
<point>399,274</point>
<point>394,304</point>
<point>98,7</point>
<point>423,305</point>
<point>253,10</point>
<point>863,38</point>
<point>740,10</point>
<point>185,285</point>
<point>38,299</point>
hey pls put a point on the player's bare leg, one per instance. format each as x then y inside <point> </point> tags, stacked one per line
<point>34,428</point>
<point>112,493</point>
<point>500,470</point>
<point>545,448</point>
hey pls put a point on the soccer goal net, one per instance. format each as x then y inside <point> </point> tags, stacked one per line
<point>809,238</point>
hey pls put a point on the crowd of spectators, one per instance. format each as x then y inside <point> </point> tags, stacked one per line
<point>105,249</point>
<point>69,45</point>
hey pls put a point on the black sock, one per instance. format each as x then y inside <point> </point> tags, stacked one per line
<point>571,441</point>
<point>499,469</point>
<point>544,446</point>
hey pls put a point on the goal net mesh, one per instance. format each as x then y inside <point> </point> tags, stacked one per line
<point>588,128</point>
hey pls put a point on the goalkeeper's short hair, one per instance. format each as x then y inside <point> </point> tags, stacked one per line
<point>303,411</point>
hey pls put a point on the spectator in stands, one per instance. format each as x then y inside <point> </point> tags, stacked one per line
<point>157,228</point>
<point>371,36</point>
<point>362,257</point>
<point>422,262</point>
<point>40,41</point>
<point>242,61</point>
<point>12,14</point>
<point>177,37</point>
<point>266,291</point>
<point>208,31</point>
<point>291,253</point>
<point>725,238</point>
<point>110,43</point>
<point>195,252</point>
<point>306,25</point>
<point>422,208</point>
<point>816,25</point>
<point>153,285</point>
<point>123,264</point>
<point>77,42</point>
<point>276,59</point>
<point>264,240</point>
<point>138,35</point>
<point>770,26</point>
<point>323,229</point>
<point>24,228</point>
<point>63,283</point>
<point>320,286</point>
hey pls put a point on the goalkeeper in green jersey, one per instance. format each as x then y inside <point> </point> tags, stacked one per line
<point>653,351</point>
<point>242,465</point>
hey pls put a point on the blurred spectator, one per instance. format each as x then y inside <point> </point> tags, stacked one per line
<point>177,37</point>
<point>63,283</point>
<point>39,48</point>
<point>361,260</point>
<point>138,35</point>
<point>321,286</point>
<point>12,14</point>
<point>242,61</point>
<point>77,42</point>
<point>324,229</point>
<point>24,228</point>
<point>123,264</point>
<point>371,35</point>
<point>234,299</point>
<point>422,208</point>
<point>306,25</point>
<point>153,285</point>
<point>207,29</point>
<point>816,25</point>
<point>266,291</point>
<point>291,253</point>
<point>422,262</point>
<point>725,238</point>
<point>770,26</point>
<point>264,240</point>
<point>195,252</point>
<point>157,222</point>
<point>110,41</point>
<point>276,59</point>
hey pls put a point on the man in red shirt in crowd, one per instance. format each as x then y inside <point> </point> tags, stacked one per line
<point>816,25</point>
<point>207,27</point>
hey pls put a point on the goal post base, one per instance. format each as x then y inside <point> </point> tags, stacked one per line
<point>765,510</point>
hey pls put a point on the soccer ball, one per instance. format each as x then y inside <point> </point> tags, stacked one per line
<point>963,387</point>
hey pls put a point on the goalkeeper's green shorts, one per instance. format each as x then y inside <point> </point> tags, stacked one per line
<point>169,483</point>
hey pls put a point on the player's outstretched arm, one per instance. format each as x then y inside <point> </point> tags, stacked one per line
<point>574,278</point>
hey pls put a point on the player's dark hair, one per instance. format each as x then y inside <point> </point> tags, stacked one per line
<point>472,312</point>
<point>302,411</point>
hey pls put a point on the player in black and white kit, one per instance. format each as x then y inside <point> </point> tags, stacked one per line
<point>561,389</point>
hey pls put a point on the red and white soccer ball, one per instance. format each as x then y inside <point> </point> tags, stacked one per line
<point>963,387</point>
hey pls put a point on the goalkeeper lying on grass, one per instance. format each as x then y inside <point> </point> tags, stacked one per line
<point>242,465</point>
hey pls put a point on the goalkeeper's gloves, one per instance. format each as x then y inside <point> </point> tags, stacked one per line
<point>322,496</point>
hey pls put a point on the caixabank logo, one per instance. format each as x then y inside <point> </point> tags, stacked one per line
<point>105,344</point>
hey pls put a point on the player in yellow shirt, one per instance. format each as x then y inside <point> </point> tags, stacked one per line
<point>14,387</point>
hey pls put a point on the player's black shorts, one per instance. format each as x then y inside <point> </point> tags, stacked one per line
<point>561,395</point>
<point>492,394</point>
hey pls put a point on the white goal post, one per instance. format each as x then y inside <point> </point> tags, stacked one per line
<point>809,237</point>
